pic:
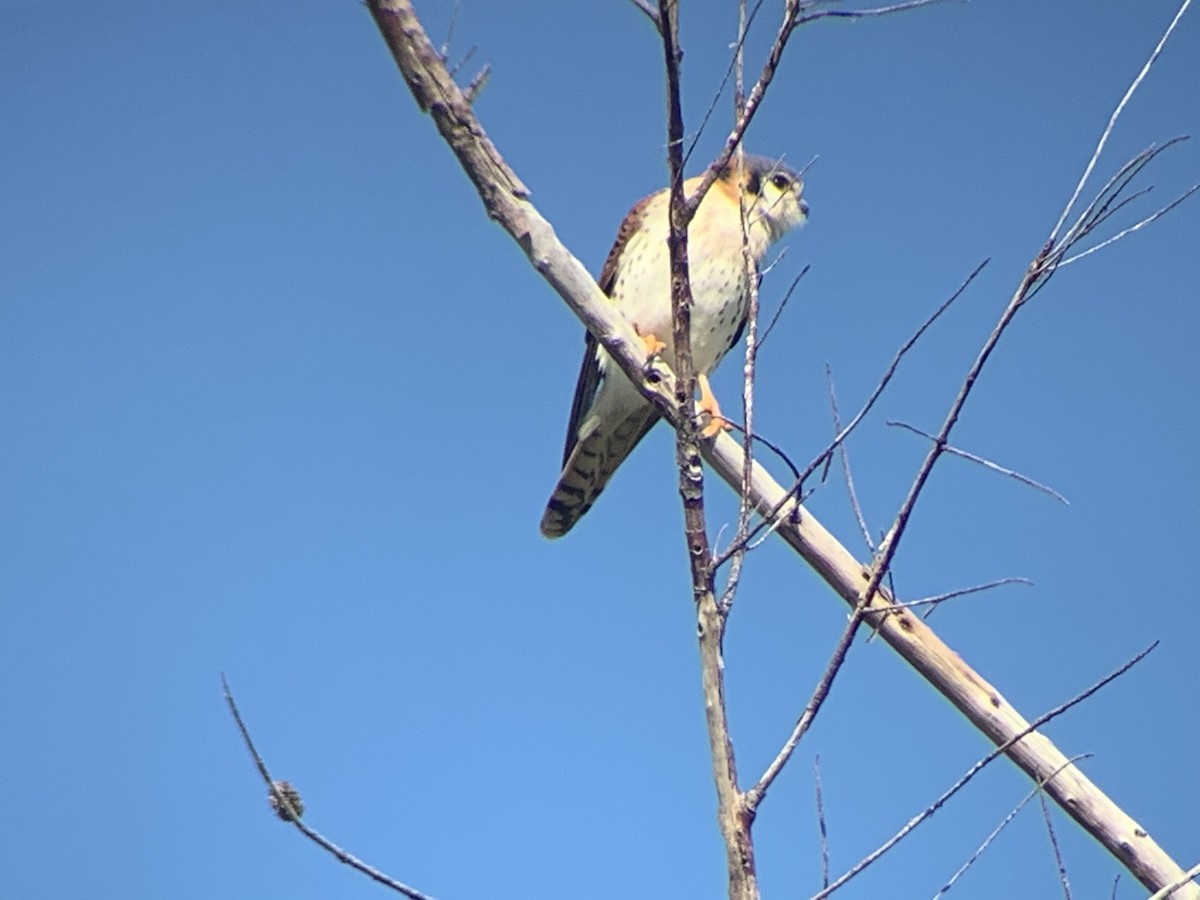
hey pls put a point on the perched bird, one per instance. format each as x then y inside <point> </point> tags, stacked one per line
<point>609,416</point>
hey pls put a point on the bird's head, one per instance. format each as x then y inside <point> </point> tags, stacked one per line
<point>774,195</point>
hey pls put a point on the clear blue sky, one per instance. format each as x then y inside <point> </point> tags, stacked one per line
<point>280,401</point>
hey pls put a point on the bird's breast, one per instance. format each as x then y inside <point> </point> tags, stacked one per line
<point>642,291</point>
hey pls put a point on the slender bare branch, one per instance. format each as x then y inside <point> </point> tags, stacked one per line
<point>845,458</point>
<point>651,12</point>
<point>1036,276</point>
<point>987,842</point>
<point>821,822</point>
<point>472,91</point>
<point>444,53</point>
<point>978,767</point>
<point>938,599</point>
<point>282,801</point>
<point>986,463</point>
<point>772,516</point>
<point>1112,120</point>
<point>751,279</point>
<point>745,20</point>
<point>732,815</point>
<point>795,13</point>
<point>782,305</point>
<point>1132,228</point>
<point>1189,875</point>
<point>1058,857</point>
<point>756,794</point>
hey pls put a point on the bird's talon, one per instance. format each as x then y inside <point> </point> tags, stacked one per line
<point>716,424</point>
<point>653,345</point>
<point>708,404</point>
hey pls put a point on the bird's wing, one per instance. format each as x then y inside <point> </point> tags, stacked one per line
<point>589,371</point>
<point>585,392</point>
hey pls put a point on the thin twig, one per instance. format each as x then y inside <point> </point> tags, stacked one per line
<point>845,458</point>
<point>821,822</point>
<point>986,463</point>
<point>444,53</point>
<point>1058,857</point>
<point>755,795</point>
<point>770,445</point>
<point>731,813</point>
<point>467,57</point>
<point>750,276</point>
<point>937,599</point>
<point>478,83</point>
<point>792,19</point>
<point>1112,120</point>
<point>977,767</point>
<point>771,519</point>
<point>987,842</point>
<point>1132,228</point>
<point>745,21</point>
<point>1036,276</point>
<point>1191,873</point>
<point>294,816</point>
<point>782,305</point>
<point>651,12</point>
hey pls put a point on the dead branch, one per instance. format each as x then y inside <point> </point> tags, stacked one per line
<point>821,822</point>
<point>1173,887</point>
<point>986,463</point>
<point>1043,784</point>
<point>987,842</point>
<point>795,14</point>
<point>733,817</point>
<point>844,456</point>
<point>1058,857</point>
<point>283,800</point>
<point>773,517</point>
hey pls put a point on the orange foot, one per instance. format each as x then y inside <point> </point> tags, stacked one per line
<point>653,345</point>
<point>708,404</point>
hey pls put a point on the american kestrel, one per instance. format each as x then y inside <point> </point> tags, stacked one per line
<point>609,415</point>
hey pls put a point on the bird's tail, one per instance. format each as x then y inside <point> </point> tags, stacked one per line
<point>588,468</point>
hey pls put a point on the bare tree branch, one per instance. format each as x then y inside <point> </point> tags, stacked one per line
<point>987,842</point>
<point>821,822</point>
<point>1058,858</point>
<point>1043,784</point>
<point>1173,887</point>
<point>651,13</point>
<point>772,517</point>
<point>732,816</point>
<point>986,463</point>
<point>795,14</point>
<point>735,63</point>
<point>937,599</point>
<point>845,458</point>
<point>751,278</point>
<point>281,801</point>
<point>1132,228</point>
<point>755,795</point>
<point>477,84</point>
<point>782,305</point>
<point>1112,120</point>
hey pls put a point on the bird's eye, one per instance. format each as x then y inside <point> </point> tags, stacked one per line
<point>781,181</point>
